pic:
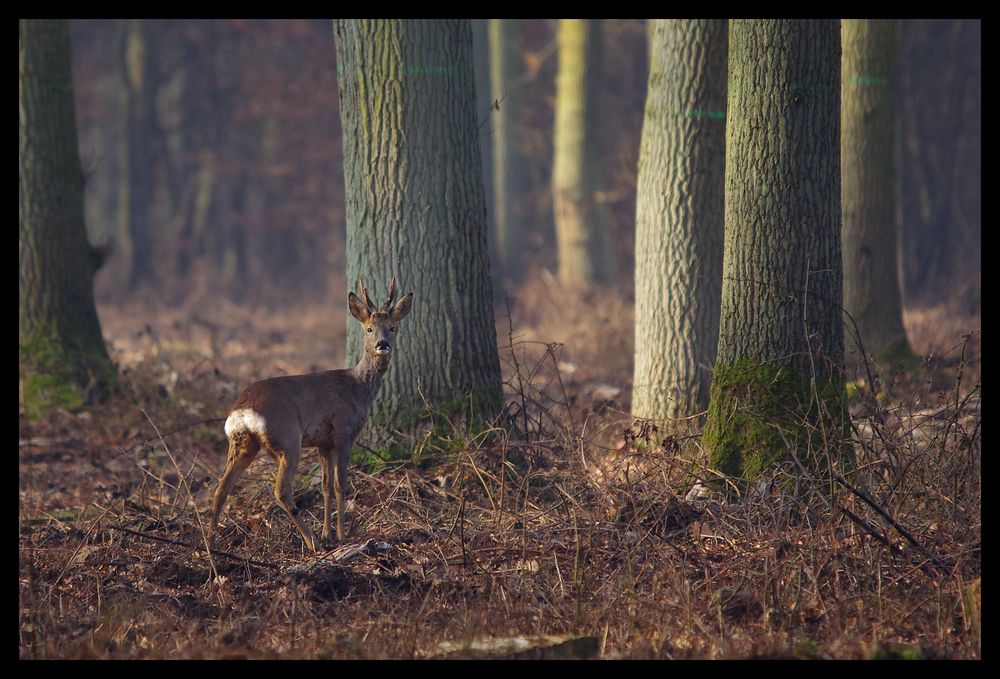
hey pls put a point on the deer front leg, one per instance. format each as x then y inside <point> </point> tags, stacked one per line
<point>326,460</point>
<point>340,484</point>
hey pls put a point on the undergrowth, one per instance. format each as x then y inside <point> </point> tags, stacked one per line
<point>562,517</point>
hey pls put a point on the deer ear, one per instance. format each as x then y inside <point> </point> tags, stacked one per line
<point>402,308</point>
<point>358,308</point>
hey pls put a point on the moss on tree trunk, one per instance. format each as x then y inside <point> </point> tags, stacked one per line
<point>762,415</point>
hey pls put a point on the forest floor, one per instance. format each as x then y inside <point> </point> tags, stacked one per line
<point>563,532</point>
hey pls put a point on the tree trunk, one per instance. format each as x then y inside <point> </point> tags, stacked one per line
<point>777,388</point>
<point>509,170</point>
<point>416,210</point>
<point>135,164</point>
<point>941,173</point>
<point>196,137</point>
<point>586,251</point>
<point>679,220</point>
<point>868,173</point>
<point>59,335</point>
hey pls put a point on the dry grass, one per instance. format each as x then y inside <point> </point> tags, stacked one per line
<point>568,520</point>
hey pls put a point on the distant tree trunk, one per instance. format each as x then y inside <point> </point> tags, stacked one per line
<point>508,158</point>
<point>262,200</point>
<point>679,220</point>
<point>59,335</point>
<point>586,252</point>
<point>777,387</point>
<point>193,143</point>
<point>868,172</point>
<point>135,164</point>
<point>416,210</point>
<point>940,67</point>
<point>233,241</point>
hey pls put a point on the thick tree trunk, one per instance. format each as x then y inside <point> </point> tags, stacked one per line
<point>59,335</point>
<point>586,252</point>
<point>869,134</point>
<point>777,387</point>
<point>679,220</point>
<point>416,210</point>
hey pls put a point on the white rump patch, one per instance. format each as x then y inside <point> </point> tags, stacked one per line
<point>245,419</point>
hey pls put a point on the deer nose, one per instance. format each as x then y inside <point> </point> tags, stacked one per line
<point>382,345</point>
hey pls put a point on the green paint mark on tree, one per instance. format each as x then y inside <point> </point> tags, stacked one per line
<point>699,113</point>
<point>814,88</point>
<point>870,80</point>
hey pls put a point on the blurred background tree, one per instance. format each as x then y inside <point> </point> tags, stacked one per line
<point>940,71</point>
<point>586,255</point>
<point>242,155</point>
<point>137,132</point>
<point>869,144</point>
<point>507,97</point>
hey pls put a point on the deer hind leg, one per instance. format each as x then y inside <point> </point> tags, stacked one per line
<point>242,450</point>
<point>288,464</point>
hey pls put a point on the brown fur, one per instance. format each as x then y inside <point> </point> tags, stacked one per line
<point>324,410</point>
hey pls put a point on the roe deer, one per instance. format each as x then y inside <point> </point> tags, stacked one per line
<point>323,410</point>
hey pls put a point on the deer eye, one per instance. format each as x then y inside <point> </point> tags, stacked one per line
<point>392,329</point>
<point>371,329</point>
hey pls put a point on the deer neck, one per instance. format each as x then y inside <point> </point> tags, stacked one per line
<point>369,371</point>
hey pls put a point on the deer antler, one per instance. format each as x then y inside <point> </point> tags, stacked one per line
<point>364,293</point>
<point>392,295</point>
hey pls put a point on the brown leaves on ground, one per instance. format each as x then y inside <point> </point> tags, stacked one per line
<point>559,531</point>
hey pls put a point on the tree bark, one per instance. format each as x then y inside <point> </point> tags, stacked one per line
<point>679,220</point>
<point>486,121</point>
<point>777,389</point>
<point>869,137</point>
<point>59,335</point>
<point>416,210</point>
<point>586,252</point>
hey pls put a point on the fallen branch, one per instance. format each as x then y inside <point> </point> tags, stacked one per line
<point>215,552</point>
<point>861,495</point>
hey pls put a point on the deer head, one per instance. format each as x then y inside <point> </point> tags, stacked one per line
<point>380,323</point>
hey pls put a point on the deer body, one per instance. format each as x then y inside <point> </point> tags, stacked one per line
<point>325,410</point>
